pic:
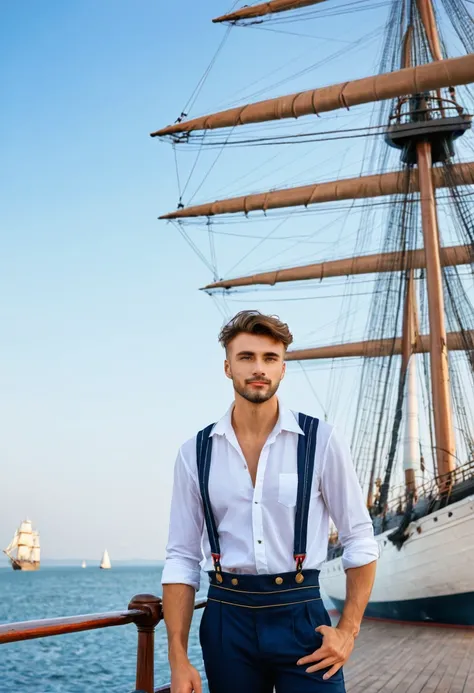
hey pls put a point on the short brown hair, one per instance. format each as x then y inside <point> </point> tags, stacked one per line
<point>254,322</point>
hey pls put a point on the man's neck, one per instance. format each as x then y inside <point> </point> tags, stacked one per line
<point>250,419</point>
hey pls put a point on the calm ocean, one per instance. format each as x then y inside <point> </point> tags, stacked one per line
<point>98,660</point>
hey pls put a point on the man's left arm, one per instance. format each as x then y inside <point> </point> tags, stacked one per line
<point>359,583</point>
<point>345,502</point>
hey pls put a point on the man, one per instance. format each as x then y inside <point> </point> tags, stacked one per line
<point>251,504</point>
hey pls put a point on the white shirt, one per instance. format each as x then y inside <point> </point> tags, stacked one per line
<point>256,525</point>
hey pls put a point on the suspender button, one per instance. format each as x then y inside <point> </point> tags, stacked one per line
<point>235,582</point>
<point>279,581</point>
<point>299,578</point>
<point>219,578</point>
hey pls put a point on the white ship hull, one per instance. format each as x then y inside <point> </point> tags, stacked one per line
<point>431,578</point>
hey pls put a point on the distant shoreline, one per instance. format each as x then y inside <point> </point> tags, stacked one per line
<point>71,563</point>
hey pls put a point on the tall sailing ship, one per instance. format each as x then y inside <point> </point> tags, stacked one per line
<point>406,383</point>
<point>24,549</point>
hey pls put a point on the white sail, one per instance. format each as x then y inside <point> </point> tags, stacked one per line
<point>84,564</point>
<point>105,562</point>
<point>35,551</point>
<point>25,541</point>
<point>25,527</point>
<point>12,545</point>
<point>24,553</point>
<point>36,540</point>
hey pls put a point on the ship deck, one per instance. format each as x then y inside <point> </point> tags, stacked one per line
<point>404,658</point>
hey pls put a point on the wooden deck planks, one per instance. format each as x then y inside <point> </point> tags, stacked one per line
<point>469,669</point>
<point>399,658</point>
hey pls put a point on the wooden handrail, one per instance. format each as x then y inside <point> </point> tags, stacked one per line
<point>28,630</point>
<point>145,611</point>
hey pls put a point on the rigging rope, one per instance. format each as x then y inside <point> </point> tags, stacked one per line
<point>313,390</point>
<point>198,88</point>
<point>380,394</point>
<point>193,245</point>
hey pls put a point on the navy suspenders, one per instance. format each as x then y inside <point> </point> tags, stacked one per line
<point>305,460</point>
<point>203,457</point>
<point>305,464</point>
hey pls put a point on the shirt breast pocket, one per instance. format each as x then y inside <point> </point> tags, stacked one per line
<point>288,489</point>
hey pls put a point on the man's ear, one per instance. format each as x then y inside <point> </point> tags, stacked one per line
<point>283,370</point>
<point>227,369</point>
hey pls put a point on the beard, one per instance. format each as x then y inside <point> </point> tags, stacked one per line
<point>256,396</point>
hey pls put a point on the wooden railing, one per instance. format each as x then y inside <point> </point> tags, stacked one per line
<point>145,611</point>
<point>431,488</point>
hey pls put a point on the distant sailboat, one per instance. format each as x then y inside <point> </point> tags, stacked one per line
<point>26,542</point>
<point>84,564</point>
<point>105,562</point>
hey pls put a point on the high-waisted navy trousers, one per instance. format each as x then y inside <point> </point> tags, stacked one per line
<point>256,627</point>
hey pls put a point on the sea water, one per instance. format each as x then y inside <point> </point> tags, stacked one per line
<point>97,660</point>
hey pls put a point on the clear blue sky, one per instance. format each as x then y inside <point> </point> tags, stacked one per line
<point>108,352</point>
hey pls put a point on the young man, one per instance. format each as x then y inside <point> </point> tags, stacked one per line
<point>251,504</point>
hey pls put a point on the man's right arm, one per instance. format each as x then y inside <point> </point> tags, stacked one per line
<point>181,574</point>
<point>178,607</point>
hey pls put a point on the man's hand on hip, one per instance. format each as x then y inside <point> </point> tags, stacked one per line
<point>334,652</point>
<point>185,678</point>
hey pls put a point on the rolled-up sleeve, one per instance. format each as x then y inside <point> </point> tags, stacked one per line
<point>343,497</point>
<point>183,551</point>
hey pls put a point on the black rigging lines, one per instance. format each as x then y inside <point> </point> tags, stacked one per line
<point>376,411</point>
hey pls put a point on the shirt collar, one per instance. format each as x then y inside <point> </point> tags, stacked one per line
<point>287,421</point>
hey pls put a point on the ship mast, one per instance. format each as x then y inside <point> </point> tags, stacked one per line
<point>410,332</point>
<point>443,419</point>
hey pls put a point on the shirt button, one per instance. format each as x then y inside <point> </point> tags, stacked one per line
<point>259,541</point>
